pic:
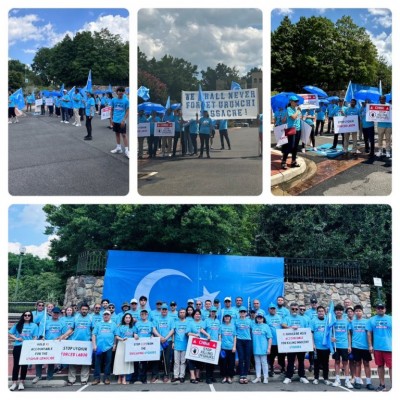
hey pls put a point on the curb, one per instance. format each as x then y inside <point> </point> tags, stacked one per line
<point>290,173</point>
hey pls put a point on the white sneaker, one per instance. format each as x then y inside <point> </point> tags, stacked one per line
<point>348,385</point>
<point>304,380</point>
<point>126,153</point>
<point>116,150</point>
<point>74,123</point>
<point>303,150</point>
<point>78,125</point>
<point>336,384</point>
<point>257,380</point>
<point>36,379</point>
<point>66,122</point>
<point>265,380</point>
<point>287,381</point>
<point>328,383</point>
<point>379,153</point>
<point>16,120</point>
<point>315,381</point>
<point>388,155</point>
<point>10,122</point>
<point>21,386</point>
<point>61,121</point>
<point>315,149</point>
<point>13,387</point>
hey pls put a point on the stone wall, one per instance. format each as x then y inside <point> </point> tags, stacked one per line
<point>90,289</point>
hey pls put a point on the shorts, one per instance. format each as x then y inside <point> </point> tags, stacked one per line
<point>11,112</point>
<point>361,354</point>
<point>383,358</point>
<point>117,128</point>
<point>341,354</point>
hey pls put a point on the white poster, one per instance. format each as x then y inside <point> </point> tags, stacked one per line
<point>379,113</point>
<point>310,101</point>
<point>164,129</point>
<point>222,104</point>
<point>305,132</point>
<point>279,131</point>
<point>346,124</point>
<point>143,349</point>
<point>143,129</point>
<point>76,352</point>
<point>49,101</point>
<point>40,352</point>
<point>203,350</point>
<point>106,113</point>
<point>294,340</point>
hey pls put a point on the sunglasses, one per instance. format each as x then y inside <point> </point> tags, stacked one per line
<point>198,304</point>
<point>112,308</point>
<point>302,309</point>
<point>40,305</point>
<point>97,308</point>
<point>27,315</point>
<point>294,309</point>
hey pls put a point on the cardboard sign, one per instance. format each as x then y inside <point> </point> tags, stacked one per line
<point>143,129</point>
<point>310,101</point>
<point>279,132</point>
<point>305,131</point>
<point>106,113</point>
<point>164,129</point>
<point>76,352</point>
<point>346,124</point>
<point>40,352</point>
<point>143,349</point>
<point>379,113</point>
<point>203,350</point>
<point>294,340</point>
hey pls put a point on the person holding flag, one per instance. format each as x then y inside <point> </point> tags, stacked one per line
<point>205,130</point>
<point>11,108</point>
<point>89,111</point>
<point>65,100</point>
<point>119,115</point>
<point>76,102</point>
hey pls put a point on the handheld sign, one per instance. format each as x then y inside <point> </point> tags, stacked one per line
<point>164,129</point>
<point>40,352</point>
<point>294,340</point>
<point>310,101</point>
<point>346,124</point>
<point>106,112</point>
<point>143,129</point>
<point>143,349</point>
<point>203,350</point>
<point>379,113</point>
<point>76,352</point>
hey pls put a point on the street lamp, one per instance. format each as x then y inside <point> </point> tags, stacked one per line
<point>22,251</point>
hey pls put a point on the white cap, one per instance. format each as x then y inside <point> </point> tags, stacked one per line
<point>190,301</point>
<point>134,301</point>
<point>227,298</point>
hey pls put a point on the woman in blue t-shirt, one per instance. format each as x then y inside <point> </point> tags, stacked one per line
<point>205,131</point>
<point>293,133</point>
<point>24,329</point>
<point>89,111</point>
<point>227,336</point>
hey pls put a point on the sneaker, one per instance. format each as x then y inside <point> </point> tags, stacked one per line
<point>287,381</point>
<point>304,380</point>
<point>96,382</point>
<point>381,388</point>
<point>357,385</point>
<point>315,149</point>
<point>379,153</point>
<point>154,379</point>
<point>10,122</point>
<point>13,387</point>
<point>78,125</point>
<point>303,150</point>
<point>265,381</point>
<point>370,386</point>
<point>336,384</point>
<point>117,150</point>
<point>74,123</point>
<point>348,385</point>
<point>257,380</point>
<point>181,380</point>
<point>21,386</point>
<point>107,382</point>
<point>61,122</point>
<point>165,379</point>
<point>388,155</point>
<point>66,122</point>
<point>126,153</point>
<point>315,381</point>
<point>36,379</point>
<point>328,383</point>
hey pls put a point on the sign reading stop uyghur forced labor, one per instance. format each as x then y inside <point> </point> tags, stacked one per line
<point>379,113</point>
<point>143,129</point>
<point>345,124</point>
<point>294,340</point>
<point>164,129</point>
<point>142,349</point>
<point>105,112</point>
<point>222,104</point>
<point>203,350</point>
<point>40,352</point>
<point>310,101</point>
<point>76,352</point>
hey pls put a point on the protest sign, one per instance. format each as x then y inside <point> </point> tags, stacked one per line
<point>379,113</point>
<point>49,101</point>
<point>106,112</point>
<point>294,340</point>
<point>40,352</point>
<point>38,105</point>
<point>143,129</point>
<point>76,352</point>
<point>346,124</point>
<point>164,129</point>
<point>222,104</point>
<point>279,132</point>
<point>310,101</point>
<point>143,349</point>
<point>305,132</point>
<point>203,350</point>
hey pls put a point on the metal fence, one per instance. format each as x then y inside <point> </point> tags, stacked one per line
<point>92,262</point>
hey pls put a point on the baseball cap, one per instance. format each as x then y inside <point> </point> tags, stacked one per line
<point>272,305</point>
<point>378,305</point>
<point>213,309</point>
<point>56,310</point>
<point>159,302</point>
<point>259,315</point>
<point>227,299</point>
<point>173,303</point>
<point>106,312</point>
<point>216,301</point>
<point>242,308</point>
<point>126,304</point>
<point>134,301</point>
<point>252,311</point>
<point>293,98</point>
<point>190,301</point>
<point>164,307</point>
<point>144,311</point>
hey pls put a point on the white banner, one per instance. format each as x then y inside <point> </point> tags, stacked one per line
<point>279,131</point>
<point>203,350</point>
<point>305,132</point>
<point>143,129</point>
<point>310,101</point>
<point>379,113</point>
<point>143,349</point>
<point>222,104</point>
<point>294,340</point>
<point>164,129</point>
<point>38,102</point>
<point>345,124</point>
<point>105,112</point>
<point>49,101</point>
<point>76,352</point>
<point>40,352</point>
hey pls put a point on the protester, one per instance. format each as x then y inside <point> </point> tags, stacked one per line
<point>24,329</point>
<point>141,119</point>
<point>144,330</point>
<point>274,321</point>
<point>368,129</point>
<point>309,118</point>
<point>384,132</point>
<point>339,111</point>
<point>228,337</point>
<point>134,311</point>
<point>11,108</point>
<point>260,132</point>
<point>243,343</point>
<point>153,140</point>
<point>212,325</point>
<point>331,113</point>
<point>205,130</point>
<point>178,132</point>
<point>179,344</point>
<point>352,110</point>
<point>89,112</point>
<point>65,100</point>
<point>39,312</point>
<point>166,142</point>
<point>321,116</point>
<point>76,102</point>
<point>119,115</point>
<point>223,133</point>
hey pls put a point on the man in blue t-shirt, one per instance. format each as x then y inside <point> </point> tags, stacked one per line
<point>77,104</point>
<point>119,115</point>
<point>384,131</point>
<point>274,321</point>
<point>353,110</point>
<point>223,133</point>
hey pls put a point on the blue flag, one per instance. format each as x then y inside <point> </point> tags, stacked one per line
<point>349,93</point>
<point>89,81</point>
<point>61,90</point>
<point>168,103</point>
<point>143,92</point>
<point>109,88</point>
<point>200,98</point>
<point>235,86</point>
<point>380,87</point>
<point>330,319</point>
<point>18,97</point>
<point>70,94</point>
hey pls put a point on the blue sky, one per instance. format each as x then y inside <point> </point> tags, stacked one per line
<point>376,21</point>
<point>26,225</point>
<point>32,28</point>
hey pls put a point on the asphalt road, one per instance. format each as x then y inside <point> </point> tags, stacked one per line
<point>49,158</point>
<point>236,172</point>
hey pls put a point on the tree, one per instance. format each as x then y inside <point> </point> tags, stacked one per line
<point>221,72</point>
<point>157,89</point>
<point>31,265</point>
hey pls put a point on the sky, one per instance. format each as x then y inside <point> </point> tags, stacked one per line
<point>26,226</point>
<point>204,37</point>
<point>30,29</point>
<point>377,22</point>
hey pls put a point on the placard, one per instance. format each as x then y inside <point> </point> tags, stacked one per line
<point>40,352</point>
<point>142,349</point>
<point>279,131</point>
<point>76,352</point>
<point>105,112</point>
<point>203,350</point>
<point>143,129</point>
<point>346,124</point>
<point>310,101</point>
<point>379,113</point>
<point>305,132</point>
<point>49,101</point>
<point>294,340</point>
<point>164,129</point>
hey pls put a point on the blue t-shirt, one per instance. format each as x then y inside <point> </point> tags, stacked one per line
<point>205,126</point>
<point>261,333</point>
<point>82,328</point>
<point>381,328</point>
<point>173,315</point>
<point>89,107</point>
<point>274,322</point>
<point>243,328</point>
<point>193,127</point>
<point>358,328</point>
<point>385,124</point>
<point>283,312</point>
<point>65,101</point>
<point>119,106</point>
<point>152,123</point>
<point>95,319</point>
<point>194,327</point>
<point>352,111</point>
<point>144,329</point>
<point>37,316</point>
<point>223,124</point>
<point>295,320</point>
<point>279,116</point>
<point>331,110</point>
<point>54,329</point>
<point>177,119</point>
<point>69,322</point>
<point>311,313</point>
<point>77,100</point>
<point>11,101</point>
<point>154,316</point>
<point>293,122</point>
<point>365,123</point>
<point>339,111</point>
<point>105,332</point>
<point>228,311</point>
<point>164,325</point>
<point>181,329</point>
<point>212,327</point>
<point>341,328</point>
<point>135,314</point>
<point>318,329</point>
<point>260,127</point>
<point>125,331</point>
<point>29,332</point>
<point>321,113</point>
<point>228,333</point>
<point>306,113</point>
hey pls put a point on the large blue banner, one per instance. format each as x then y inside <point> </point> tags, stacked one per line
<point>178,277</point>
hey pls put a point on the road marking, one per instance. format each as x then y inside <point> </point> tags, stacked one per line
<point>82,388</point>
<point>212,388</point>
<point>344,388</point>
<point>142,175</point>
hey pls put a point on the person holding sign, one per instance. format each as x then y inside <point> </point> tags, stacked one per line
<point>205,130</point>
<point>368,129</point>
<point>309,118</point>
<point>144,330</point>
<point>212,325</point>
<point>338,111</point>
<point>119,115</point>
<point>24,329</point>
<point>262,341</point>
<point>352,110</point>
<point>227,336</point>
<point>384,131</point>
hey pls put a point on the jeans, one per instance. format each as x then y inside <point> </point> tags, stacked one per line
<point>178,136</point>
<point>64,113</point>
<point>107,356</point>
<point>89,125</point>
<point>322,362</point>
<point>228,364</point>
<point>223,133</point>
<point>243,350</point>
<point>320,122</point>
<point>291,357</point>
<point>153,144</point>
<point>369,139</point>
<point>193,137</point>
<point>291,147</point>
<point>204,141</point>
<point>16,367</point>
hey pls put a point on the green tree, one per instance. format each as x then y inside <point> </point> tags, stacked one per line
<point>31,265</point>
<point>221,72</point>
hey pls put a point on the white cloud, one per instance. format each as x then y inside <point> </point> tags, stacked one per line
<point>41,250</point>
<point>29,216</point>
<point>30,51</point>
<point>283,11</point>
<point>381,16</point>
<point>27,28</point>
<point>117,25</point>
<point>383,43</point>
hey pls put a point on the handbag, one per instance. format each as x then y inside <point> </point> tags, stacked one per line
<point>290,131</point>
